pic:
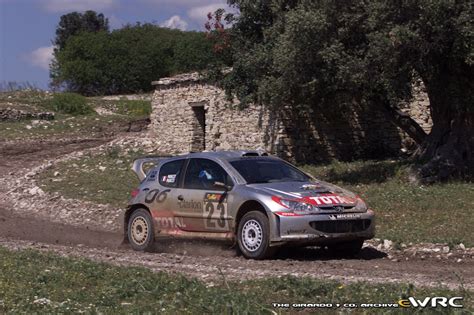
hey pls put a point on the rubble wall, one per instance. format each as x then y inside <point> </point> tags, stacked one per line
<point>333,131</point>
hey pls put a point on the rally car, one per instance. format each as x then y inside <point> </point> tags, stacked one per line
<point>257,201</point>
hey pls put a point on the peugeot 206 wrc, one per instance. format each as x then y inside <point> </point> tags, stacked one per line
<point>259,201</point>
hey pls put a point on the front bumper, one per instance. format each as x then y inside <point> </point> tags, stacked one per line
<point>324,228</point>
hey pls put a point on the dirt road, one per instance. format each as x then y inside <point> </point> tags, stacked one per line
<point>425,265</point>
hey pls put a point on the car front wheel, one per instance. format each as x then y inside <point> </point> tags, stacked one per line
<point>253,236</point>
<point>140,230</point>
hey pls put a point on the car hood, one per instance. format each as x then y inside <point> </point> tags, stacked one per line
<point>306,190</point>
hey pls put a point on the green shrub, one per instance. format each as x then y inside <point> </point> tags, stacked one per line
<point>70,103</point>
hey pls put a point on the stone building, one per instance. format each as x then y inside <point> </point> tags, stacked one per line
<point>189,114</point>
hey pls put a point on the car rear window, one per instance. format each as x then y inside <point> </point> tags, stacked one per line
<point>256,171</point>
<point>170,173</point>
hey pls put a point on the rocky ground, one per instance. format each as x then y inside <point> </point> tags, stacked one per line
<point>32,218</point>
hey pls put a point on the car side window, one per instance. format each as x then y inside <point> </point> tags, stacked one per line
<point>170,173</point>
<point>203,173</point>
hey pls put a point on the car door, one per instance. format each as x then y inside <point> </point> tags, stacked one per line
<point>203,206</point>
<point>162,199</point>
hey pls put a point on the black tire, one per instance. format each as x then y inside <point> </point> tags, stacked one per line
<point>140,232</point>
<point>253,236</point>
<point>346,249</point>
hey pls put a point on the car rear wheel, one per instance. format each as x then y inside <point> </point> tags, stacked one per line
<point>140,231</point>
<point>346,249</point>
<point>253,236</point>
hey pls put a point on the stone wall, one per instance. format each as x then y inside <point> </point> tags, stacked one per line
<point>12,114</point>
<point>175,120</point>
<point>190,115</point>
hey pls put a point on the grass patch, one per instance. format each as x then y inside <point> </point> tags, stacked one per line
<point>75,114</point>
<point>30,97</point>
<point>439,213</point>
<point>70,103</point>
<point>135,108</point>
<point>45,283</point>
<point>104,178</point>
<point>62,125</point>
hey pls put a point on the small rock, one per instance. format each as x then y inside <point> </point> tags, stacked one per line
<point>30,174</point>
<point>42,301</point>
<point>387,244</point>
<point>119,162</point>
<point>459,260</point>
<point>28,127</point>
<point>56,173</point>
<point>102,168</point>
<point>36,191</point>
<point>461,246</point>
<point>445,249</point>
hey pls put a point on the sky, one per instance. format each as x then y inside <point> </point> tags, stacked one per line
<point>27,27</point>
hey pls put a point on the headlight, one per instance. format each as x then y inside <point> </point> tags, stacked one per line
<point>360,206</point>
<point>296,206</point>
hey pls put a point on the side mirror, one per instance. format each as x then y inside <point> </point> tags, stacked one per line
<point>221,185</point>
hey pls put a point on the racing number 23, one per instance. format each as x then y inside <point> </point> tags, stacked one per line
<point>209,208</point>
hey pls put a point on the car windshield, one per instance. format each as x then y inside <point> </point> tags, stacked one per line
<point>256,171</point>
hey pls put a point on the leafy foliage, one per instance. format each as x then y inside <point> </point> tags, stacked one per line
<point>303,53</point>
<point>70,103</point>
<point>74,23</point>
<point>127,60</point>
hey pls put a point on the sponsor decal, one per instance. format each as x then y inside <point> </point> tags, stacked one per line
<point>213,197</point>
<point>311,187</point>
<point>171,178</point>
<point>215,211</point>
<point>344,216</point>
<point>191,204</point>
<point>170,222</point>
<point>330,199</point>
<point>287,214</point>
<point>156,195</point>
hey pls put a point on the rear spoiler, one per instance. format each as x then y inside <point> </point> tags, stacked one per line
<point>137,166</point>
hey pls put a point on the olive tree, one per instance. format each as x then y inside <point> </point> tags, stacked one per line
<point>302,52</point>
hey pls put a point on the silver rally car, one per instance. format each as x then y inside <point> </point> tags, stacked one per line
<point>259,201</point>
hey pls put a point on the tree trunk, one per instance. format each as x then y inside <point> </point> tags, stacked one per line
<point>448,151</point>
<point>405,122</point>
